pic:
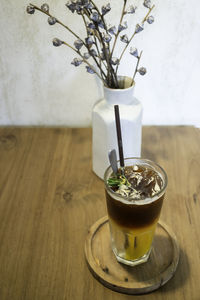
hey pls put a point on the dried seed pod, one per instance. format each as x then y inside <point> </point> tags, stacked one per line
<point>93,52</point>
<point>85,4</point>
<point>51,20</point>
<point>89,40</point>
<point>76,62</point>
<point>71,6</point>
<point>45,7</point>
<point>107,37</point>
<point>91,25</point>
<point>134,52</point>
<point>142,71</point>
<point>30,9</point>
<point>56,42</point>
<point>138,28</point>
<point>78,44</point>
<point>90,70</point>
<point>101,24</point>
<point>89,5</point>
<point>131,9</point>
<point>122,26</point>
<point>147,3</point>
<point>105,9</point>
<point>124,38</point>
<point>79,9</point>
<point>150,19</point>
<point>112,30</point>
<point>115,61</point>
<point>95,16</point>
<point>86,55</point>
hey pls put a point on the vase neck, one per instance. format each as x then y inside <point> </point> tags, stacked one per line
<point>119,96</point>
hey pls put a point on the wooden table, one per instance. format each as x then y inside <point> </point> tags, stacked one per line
<point>49,197</point>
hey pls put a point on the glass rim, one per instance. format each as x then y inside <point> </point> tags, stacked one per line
<point>150,162</point>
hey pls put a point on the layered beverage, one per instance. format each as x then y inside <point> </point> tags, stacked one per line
<point>134,200</point>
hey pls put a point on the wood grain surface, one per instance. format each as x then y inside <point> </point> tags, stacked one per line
<point>49,198</point>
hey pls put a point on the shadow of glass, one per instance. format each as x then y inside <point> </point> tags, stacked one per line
<point>159,260</point>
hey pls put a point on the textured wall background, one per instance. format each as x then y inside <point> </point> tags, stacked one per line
<point>38,84</point>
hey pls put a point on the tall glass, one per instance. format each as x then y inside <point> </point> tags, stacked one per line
<point>133,222</point>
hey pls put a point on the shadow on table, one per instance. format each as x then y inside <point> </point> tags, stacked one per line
<point>154,271</point>
<point>181,275</point>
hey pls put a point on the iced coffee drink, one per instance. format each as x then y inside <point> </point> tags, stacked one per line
<point>134,199</point>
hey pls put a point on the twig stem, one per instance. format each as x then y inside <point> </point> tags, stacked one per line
<point>117,34</point>
<point>136,68</point>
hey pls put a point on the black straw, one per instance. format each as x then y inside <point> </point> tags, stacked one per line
<point>119,136</point>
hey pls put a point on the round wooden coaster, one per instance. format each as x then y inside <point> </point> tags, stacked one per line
<point>139,279</point>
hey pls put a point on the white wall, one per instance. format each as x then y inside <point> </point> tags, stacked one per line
<point>39,86</point>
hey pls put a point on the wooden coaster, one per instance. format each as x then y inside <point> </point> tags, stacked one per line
<point>139,279</point>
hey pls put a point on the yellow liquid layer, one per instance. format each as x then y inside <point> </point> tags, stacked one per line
<point>132,244</point>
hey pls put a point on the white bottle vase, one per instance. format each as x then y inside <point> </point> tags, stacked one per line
<point>104,136</point>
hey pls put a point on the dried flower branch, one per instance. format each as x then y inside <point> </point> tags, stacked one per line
<point>100,40</point>
<point>138,29</point>
<point>76,61</point>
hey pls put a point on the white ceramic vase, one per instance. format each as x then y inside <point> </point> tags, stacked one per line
<point>104,136</point>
